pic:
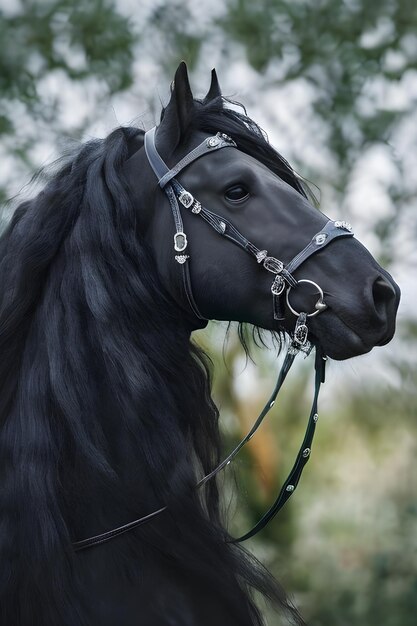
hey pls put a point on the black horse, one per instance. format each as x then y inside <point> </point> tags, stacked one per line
<point>105,408</point>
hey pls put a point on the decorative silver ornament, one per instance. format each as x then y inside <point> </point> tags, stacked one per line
<point>301,334</point>
<point>180,241</point>
<point>196,207</point>
<point>320,239</point>
<point>212,142</point>
<point>181,258</point>
<point>290,488</point>
<point>315,417</point>
<point>261,255</point>
<point>293,349</point>
<point>186,199</point>
<point>344,225</point>
<point>278,285</point>
<point>306,452</point>
<point>226,137</point>
<point>222,227</point>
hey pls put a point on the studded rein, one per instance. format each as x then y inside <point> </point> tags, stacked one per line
<point>282,284</point>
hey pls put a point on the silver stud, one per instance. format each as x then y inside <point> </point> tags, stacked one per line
<point>196,207</point>
<point>261,255</point>
<point>320,239</point>
<point>320,305</point>
<point>271,404</point>
<point>290,488</point>
<point>306,452</point>
<point>222,227</point>
<point>181,258</point>
<point>343,224</point>
<point>212,142</point>
<point>315,417</point>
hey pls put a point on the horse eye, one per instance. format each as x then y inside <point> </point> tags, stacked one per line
<point>237,192</point>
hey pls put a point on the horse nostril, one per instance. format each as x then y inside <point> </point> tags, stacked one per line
<point>383,294</point>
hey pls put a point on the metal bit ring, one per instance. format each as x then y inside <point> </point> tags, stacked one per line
<point>320,304</point>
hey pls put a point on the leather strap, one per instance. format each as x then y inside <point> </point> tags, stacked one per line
<point>331,231</point>
<point>115,532</point>
<point>162,171</point>
<point>303,456</point>
<point>158,165</point>
<point>204,147</point>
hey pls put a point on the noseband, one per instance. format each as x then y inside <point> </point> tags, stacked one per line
<point>283,282</point>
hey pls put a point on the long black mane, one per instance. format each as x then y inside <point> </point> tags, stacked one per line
<point>105,407</point>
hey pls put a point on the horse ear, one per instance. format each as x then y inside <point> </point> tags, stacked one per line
<point>177,113</point>
<point>214,91</point>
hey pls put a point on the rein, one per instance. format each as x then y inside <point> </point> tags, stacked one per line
<point>283,281</point>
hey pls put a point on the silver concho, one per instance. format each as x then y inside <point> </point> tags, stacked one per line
<point>222,227</point>
<point>320,239</point>
<point>290,488</point>
<point>278,285</point>
<point>344,225</point>
<point>181,258</point>
<point>273,265</point>
<point>301,334</point>
<point>180,242</point>
<point>186,199</point>
<point>196,207</point>
<point>212,142</point>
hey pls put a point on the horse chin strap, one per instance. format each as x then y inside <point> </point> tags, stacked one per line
<point>283,282</point>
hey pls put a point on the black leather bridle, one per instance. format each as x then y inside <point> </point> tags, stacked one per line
<point>283,282</point>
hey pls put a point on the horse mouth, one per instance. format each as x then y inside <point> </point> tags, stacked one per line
<point>341,342</point>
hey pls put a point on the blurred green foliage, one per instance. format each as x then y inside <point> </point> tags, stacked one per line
<point>345,545</point>
<point>78,40</point>
<point>337,46</point>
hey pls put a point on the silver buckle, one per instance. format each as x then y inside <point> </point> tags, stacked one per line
<point>186,198</point>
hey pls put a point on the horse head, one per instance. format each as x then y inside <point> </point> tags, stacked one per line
<point>250,188</point>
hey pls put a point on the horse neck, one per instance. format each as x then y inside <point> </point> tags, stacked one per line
<point>150,430</point>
